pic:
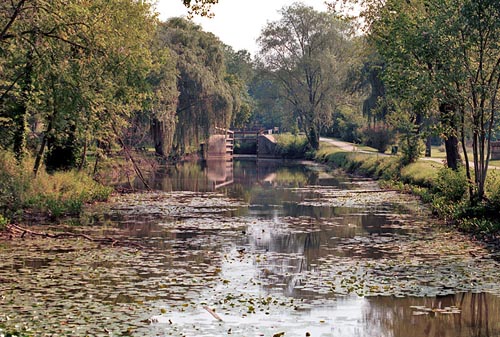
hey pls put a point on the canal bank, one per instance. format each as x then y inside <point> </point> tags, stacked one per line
<point>446,191</point>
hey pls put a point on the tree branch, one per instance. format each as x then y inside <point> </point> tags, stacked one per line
<point>13,18</point>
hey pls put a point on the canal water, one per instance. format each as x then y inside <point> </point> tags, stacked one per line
<point>253,249</point>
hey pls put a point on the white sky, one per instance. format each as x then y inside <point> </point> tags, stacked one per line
<point>237,23</point>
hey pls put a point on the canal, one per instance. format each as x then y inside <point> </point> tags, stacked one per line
<point>253,249</point>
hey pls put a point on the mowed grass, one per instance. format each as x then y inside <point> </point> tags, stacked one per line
<point>440,152</point>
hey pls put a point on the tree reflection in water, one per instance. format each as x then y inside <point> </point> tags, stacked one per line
<point>478,318</point>
<point>285,235</point>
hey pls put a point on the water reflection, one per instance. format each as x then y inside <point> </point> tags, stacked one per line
<point>213,175</point>
<point>261,244</point>
<point>398,317</point>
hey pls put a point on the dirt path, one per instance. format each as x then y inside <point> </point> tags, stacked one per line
<point>350,147</point>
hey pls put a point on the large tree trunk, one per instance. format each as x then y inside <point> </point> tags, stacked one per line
<point>21,117</point>
<point>41,151</point>
<point>452,154</point>
<point>428,146</point>
<point>161,140</point>
<point>313,137</point>
<point>447,111</point>
<point>466,158</point>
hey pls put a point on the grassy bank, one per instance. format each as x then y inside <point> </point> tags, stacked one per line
<point>52,195</point>
<point>292,146</point>
<point>445,190</point>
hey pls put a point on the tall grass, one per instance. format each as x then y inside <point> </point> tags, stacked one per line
<point>55,194</point>
<point>292,146</point>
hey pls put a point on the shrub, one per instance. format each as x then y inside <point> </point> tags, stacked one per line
<point>452,185</point>
<point>346,126</point>
<point>479,225</point>
<point>3,222</point>
<point>412,147</point>
<point>493,187</point>
<point>291,146</point>
<point>54,194</point>
<point>378,137</point>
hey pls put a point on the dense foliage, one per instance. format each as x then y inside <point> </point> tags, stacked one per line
<point>443,63</point>
<point>307,53</point>
<point>81,80</point>
<point>78,76</point>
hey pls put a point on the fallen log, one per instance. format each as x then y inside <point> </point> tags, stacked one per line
<point>16,230</point>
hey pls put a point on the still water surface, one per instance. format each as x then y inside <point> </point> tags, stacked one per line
<point>269,248</point>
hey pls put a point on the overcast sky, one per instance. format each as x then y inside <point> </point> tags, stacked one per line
<point>237,22</point>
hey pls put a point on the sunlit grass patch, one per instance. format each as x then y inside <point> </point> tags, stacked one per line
<point>495,162</point>
<point>326,149</point>
<point>422,173</point>
<point>291,146</point>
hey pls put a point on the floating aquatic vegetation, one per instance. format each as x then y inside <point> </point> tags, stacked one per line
<point>265,270</point>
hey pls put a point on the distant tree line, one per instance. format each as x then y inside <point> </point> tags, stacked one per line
<point>79,77</point>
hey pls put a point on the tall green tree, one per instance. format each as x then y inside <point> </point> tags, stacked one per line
<point>307,52</point>
<point>75,69</point>
<point>163,98</point>
<point>269,110</point>
<point>406,36</point>
<point>206,98</point>
<point>445,55</point>
<point>240,73</point>
<point>478,54</point>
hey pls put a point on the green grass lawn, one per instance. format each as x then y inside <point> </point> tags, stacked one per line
<point>437,152</point>
<point>361,147</point>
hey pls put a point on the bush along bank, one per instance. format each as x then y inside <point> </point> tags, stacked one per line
<point>445,190</point>
<point>51,195</point>
<point>290,146</point>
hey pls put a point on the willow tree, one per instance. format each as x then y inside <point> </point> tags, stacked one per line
<point>308,53</point>
<point>206,99</point>
<point>162,102</point>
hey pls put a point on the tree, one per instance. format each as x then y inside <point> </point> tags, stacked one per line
<point>444,55</point>
<point>206,98</point>
<point>478,51</point>
<point>74,69</point>
<point>306,52</point>
<point>269,110</point>
<point>407,35</point>
<point>163,100</point>
<point>240,73</point>
<point>200,7</point>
